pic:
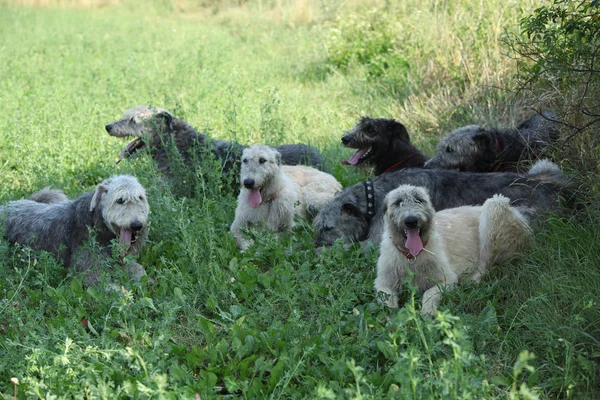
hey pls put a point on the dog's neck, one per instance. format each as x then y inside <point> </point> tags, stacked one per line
<point>408,156</point>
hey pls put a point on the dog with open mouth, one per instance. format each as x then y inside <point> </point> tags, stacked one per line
<point>156,129</point>
<point>383,144</point>
<point>116,210</point>
<point>273,193</point>
<point>439,247</point>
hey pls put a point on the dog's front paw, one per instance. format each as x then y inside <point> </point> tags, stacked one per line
<point>390,300</point>
<point>243,244</point>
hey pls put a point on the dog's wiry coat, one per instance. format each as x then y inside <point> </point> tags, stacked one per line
<point>345,216</point>
<point>478,149</point>
<point>272,193</point>
<point>383,144</point>
<point>117,208</point>
<point>440,247</point>
<point>155,128</point>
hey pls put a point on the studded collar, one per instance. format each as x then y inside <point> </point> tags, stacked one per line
<point>370,193</point>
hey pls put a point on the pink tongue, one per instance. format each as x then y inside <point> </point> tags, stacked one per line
<point>413,242</point>
<point>355,157</point>
<point>125,237</point>
<point>254,198</point>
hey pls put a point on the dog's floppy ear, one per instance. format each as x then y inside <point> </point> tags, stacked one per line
<point>97,197</point>
<point>481,137</point>
<point>400,130</point>
<point>351,209</point>
<point>278,157</point>
<point>384,209</point>
<point>167,118</point>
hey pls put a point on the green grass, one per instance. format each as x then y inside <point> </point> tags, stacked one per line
<point>277,321</point>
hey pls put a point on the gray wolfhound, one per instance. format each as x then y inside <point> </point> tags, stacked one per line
<point>478,149</point>
<point>117,208</point>
<point>383,144</point>
<point>154,128</point>
<point>349,216</point>
<point>439,247</point>
<point>272,193</point>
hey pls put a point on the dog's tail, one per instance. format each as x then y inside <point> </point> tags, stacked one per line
<point>503,231</point>
<point>48,196</point>
<point>544,167</point>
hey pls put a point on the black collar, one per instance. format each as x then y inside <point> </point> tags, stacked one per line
<point>370,192</point>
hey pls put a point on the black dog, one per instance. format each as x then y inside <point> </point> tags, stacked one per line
<point>383,144</point>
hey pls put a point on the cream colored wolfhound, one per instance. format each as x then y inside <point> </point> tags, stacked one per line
<point>440,247</point>
<point>272,193</point>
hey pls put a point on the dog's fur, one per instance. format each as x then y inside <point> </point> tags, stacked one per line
<point>478,149</point>
<point>345,216</point>
<point>440,247</point>
<point>155,128</point>
<point>273,193</point>
<point>383,144</point>
<point>48,196</point>
<point>117,208</point>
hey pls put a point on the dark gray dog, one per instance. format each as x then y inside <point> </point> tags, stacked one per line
<point>347,214</point>
<point>155,127</point>
<point>477,149</point>
<point>117,208</point>
<point>383,144</point>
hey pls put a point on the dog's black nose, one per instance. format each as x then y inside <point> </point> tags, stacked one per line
<point>108,128</point>
<point>345,139</point>
<point>249,183</point>
<point>136,226</point>
<point>411,222</point>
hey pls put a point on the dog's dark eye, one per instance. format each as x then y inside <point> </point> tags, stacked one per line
<point>245,160</point>
<point>398,202</point>
<point>449,149</point>
<point>142,198</point>
<point>121,201</point>
<point>262,161</point>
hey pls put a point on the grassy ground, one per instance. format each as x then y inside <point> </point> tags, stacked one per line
<point>277,321</point>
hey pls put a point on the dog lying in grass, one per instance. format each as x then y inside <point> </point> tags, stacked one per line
<point>383,144</point>
<point>156,129</point>
<point>116,209</point>
<point>273,193</point>
<point>439,247</point>
<point>478,149</point>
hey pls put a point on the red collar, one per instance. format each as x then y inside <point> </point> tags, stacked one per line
<point>407,254</point>
<point>271,199</point>
<point>399,162</point>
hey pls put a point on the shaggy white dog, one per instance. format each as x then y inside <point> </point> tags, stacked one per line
<point>272,193</point>
<point>440,247</point>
